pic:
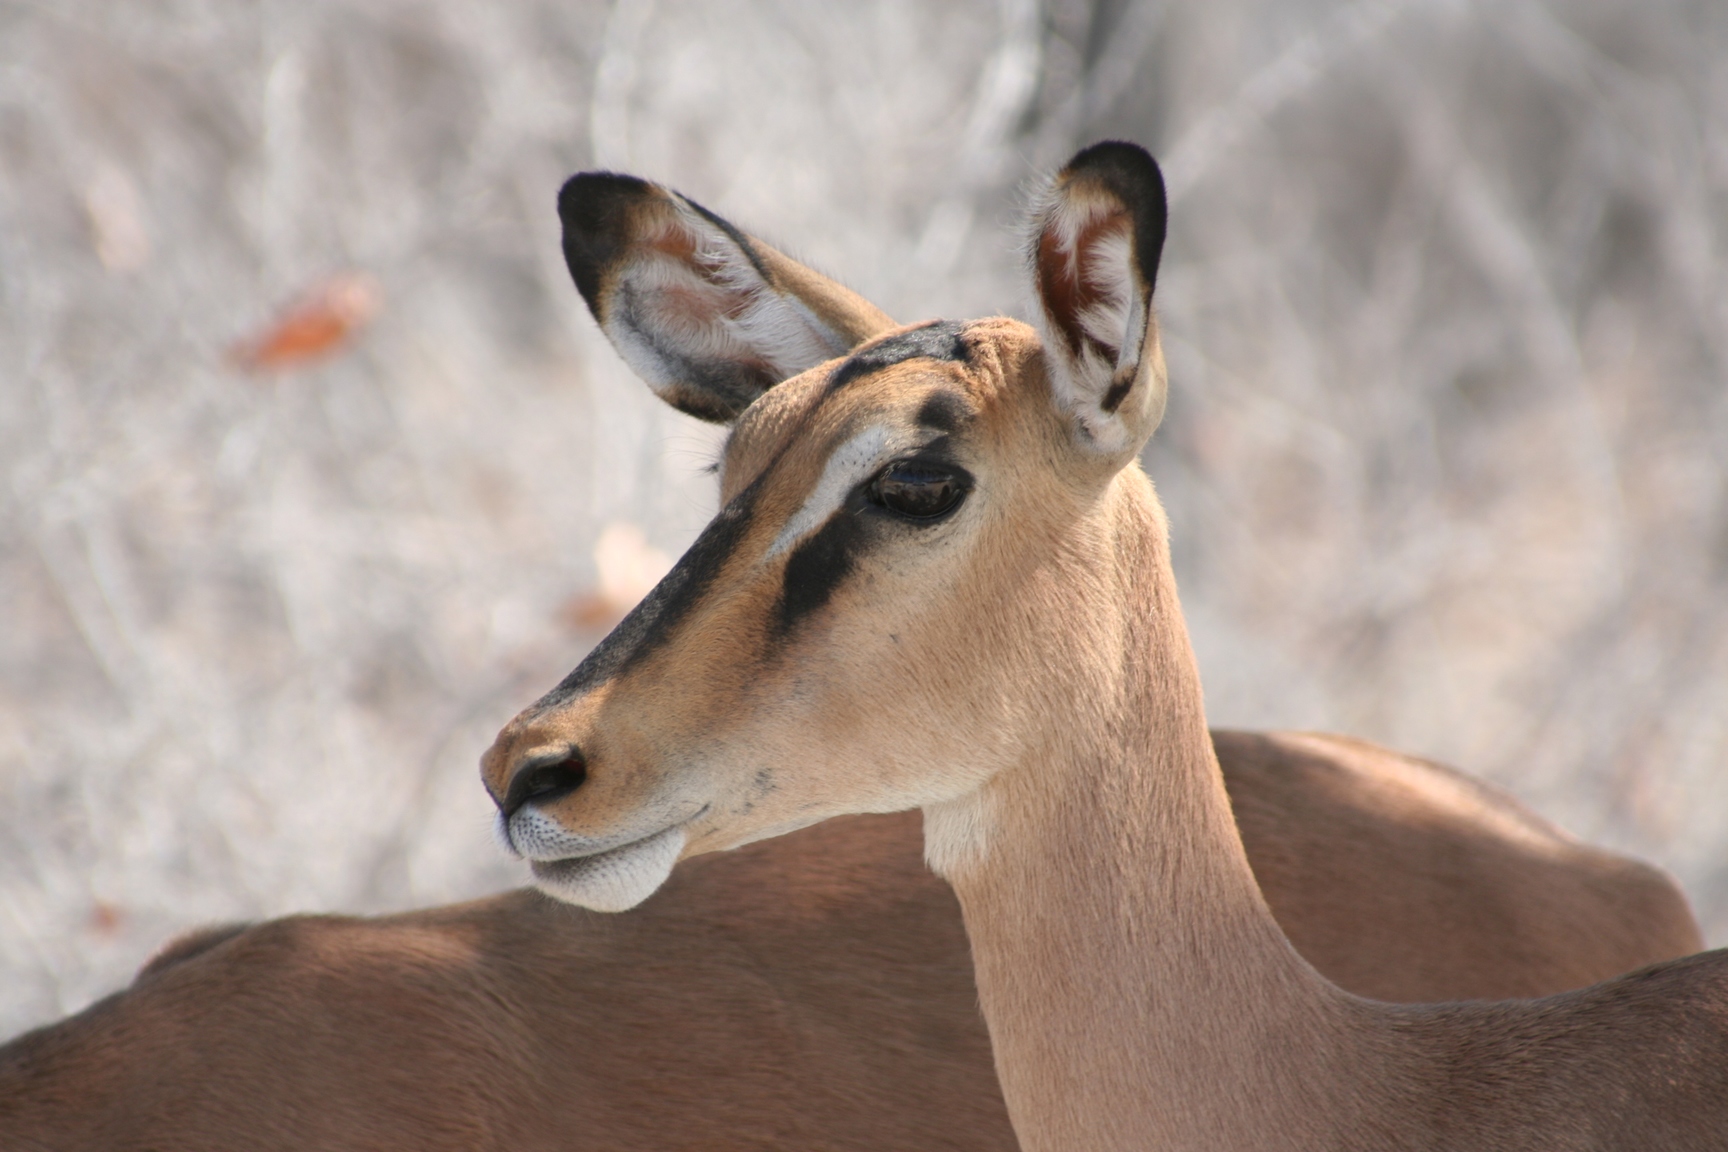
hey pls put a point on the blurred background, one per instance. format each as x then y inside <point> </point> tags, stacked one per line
<point>315,470</point>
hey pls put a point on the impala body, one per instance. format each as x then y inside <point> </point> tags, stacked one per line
<point>811,990</point>
<point>939,579</point>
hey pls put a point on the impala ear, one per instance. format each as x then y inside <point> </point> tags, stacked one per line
<point>710,317</point>
<point>1097,236</point>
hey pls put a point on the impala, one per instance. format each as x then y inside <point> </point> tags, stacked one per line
<point>811,990</point>
<point>940,580</point>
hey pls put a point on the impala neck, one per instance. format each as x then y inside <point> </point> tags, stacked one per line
<point>1138,992</point>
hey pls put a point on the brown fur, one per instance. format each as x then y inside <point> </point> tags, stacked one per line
<point>813,990</point>
<point>1323,816</point>
<point>814,993</point>
<point>807,991</point>
<point>190,945</point>
<point>1021,671</point>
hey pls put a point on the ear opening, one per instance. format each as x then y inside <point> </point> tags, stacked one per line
<point>710,317</point>
<point>1097,237</point>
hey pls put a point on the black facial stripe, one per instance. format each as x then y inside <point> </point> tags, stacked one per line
<point>653,620</point>
<point>944,412</point>
<point>821,562</point>
<point>937,340</point>
<point>826,557</point>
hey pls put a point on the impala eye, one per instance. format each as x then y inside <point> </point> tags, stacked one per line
<point>918,491</point>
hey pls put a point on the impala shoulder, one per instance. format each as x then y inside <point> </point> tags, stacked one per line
<point>189,946</point>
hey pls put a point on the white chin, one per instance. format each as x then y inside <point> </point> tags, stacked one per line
<point>612,881</point>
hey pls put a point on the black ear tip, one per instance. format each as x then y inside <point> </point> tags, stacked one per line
<point>1105,150</point>
<point>596,210</point>
<point>1127,172</point>
<point>590,201</point>
<point>1120,165</point>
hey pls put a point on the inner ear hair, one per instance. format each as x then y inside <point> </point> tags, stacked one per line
<point>1097,237</point>
<point>710,317</point>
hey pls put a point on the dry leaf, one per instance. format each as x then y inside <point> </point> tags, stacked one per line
<point>629,567</point>
<point>106,919</point>
<point>117,227</point>
<point>323,322</point>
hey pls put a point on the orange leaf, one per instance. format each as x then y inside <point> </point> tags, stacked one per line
<point>323,322</point>
<point>591,612</point>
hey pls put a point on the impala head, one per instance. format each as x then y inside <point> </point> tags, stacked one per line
<point>912,536</point>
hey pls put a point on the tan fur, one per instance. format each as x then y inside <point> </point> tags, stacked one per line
<point>855,318</point>
<point>1020,670</point>
<point>814,988</point>
<point>809,991</point>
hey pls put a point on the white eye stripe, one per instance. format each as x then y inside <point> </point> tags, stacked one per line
<point>851,464</point>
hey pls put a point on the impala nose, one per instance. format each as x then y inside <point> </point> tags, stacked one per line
<point>541,778</point>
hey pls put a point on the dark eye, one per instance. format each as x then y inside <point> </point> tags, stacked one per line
<point>917,491</point>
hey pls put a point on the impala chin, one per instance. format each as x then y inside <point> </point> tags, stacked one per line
<point>615,880</point>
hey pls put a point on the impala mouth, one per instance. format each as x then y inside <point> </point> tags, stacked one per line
<point>618,878</point>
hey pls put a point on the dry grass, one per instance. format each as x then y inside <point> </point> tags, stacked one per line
<point>1444,302</point>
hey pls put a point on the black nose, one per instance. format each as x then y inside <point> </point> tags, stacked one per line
<point>544,778</point>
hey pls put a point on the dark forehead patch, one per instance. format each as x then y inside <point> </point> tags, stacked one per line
<point>652,621</point>
<point>937,340</point>
<point>944,411</point>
